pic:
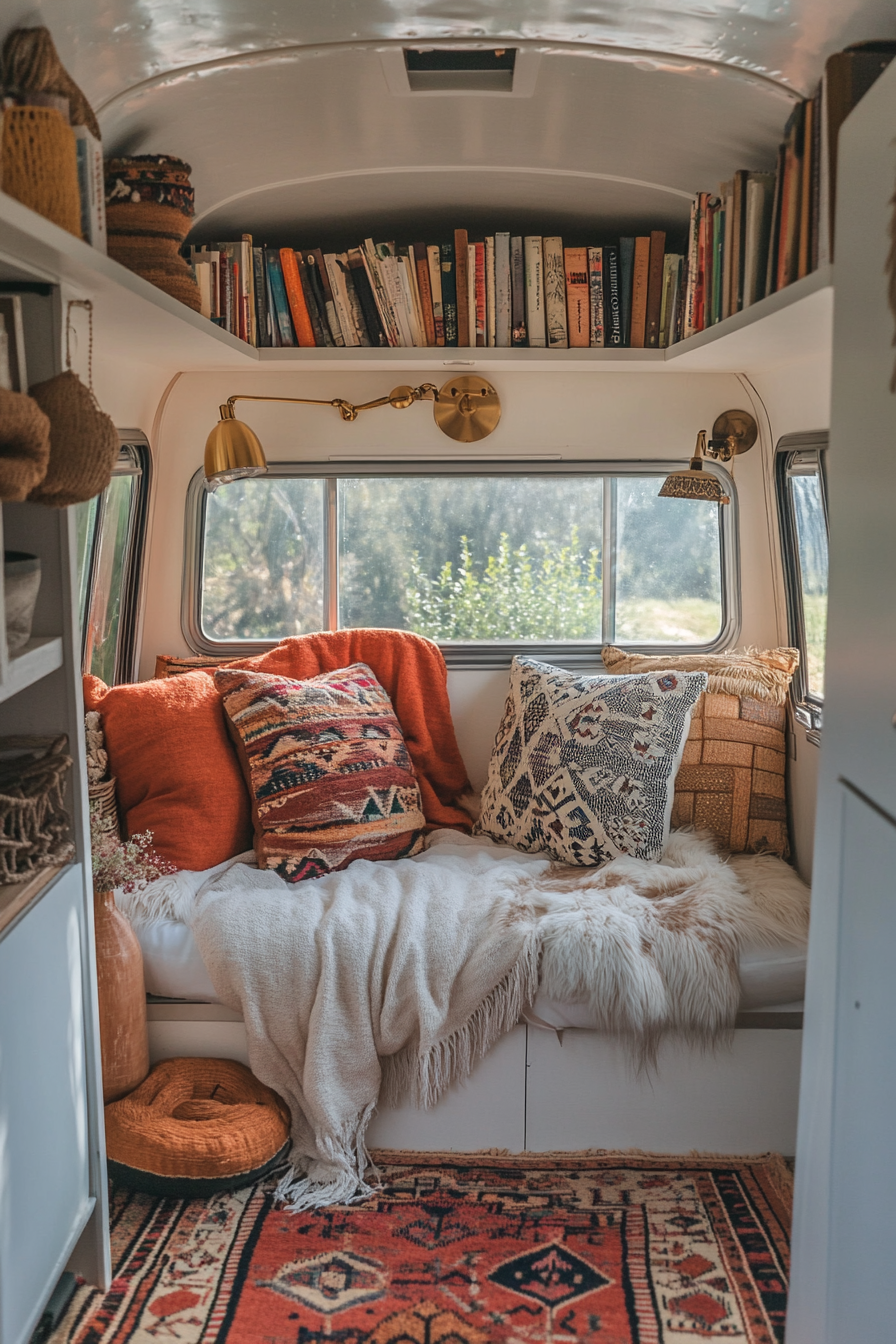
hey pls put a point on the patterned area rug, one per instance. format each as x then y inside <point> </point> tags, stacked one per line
<point>615,1248</point>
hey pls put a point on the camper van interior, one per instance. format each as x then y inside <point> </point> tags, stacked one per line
<point>446,686</point>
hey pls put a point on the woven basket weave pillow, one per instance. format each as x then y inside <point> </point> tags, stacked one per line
<point>327,769</point>
<point>732,775</point>
<point>193,1127</point>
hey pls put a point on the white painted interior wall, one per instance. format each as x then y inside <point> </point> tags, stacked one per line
<point>579,415</point>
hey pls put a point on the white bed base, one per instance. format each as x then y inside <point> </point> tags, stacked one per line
<point>534,1092</point>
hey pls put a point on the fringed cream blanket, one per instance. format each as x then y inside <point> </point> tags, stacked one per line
<point>392,979</point>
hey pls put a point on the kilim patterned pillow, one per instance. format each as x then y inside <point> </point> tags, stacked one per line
<point>584,767</point>
<point>731,779</point>
<point>327,768</point>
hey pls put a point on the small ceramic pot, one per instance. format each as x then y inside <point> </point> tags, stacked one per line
<point>21,582</point>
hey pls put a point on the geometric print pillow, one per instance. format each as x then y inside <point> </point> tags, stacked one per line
<point>583,767</point>
<point>327,769</point>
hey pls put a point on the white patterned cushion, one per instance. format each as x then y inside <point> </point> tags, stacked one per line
<point>584,767</point>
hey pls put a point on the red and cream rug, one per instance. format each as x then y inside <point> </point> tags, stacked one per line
<point>461,1249</point>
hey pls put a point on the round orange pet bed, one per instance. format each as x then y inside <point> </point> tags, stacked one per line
<point>193,1127</point>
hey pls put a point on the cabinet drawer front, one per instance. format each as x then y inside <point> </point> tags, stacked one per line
<point>44,1191</point>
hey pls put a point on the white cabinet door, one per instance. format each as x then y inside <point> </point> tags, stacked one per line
<point>44,1185</point>
<point>863,1194</point>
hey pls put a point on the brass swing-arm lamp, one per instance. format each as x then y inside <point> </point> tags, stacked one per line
<point>733,432</point>
<point>466,409</point>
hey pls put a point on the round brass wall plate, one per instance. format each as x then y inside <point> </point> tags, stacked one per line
<point>468,408</point>
<point>738,425</point>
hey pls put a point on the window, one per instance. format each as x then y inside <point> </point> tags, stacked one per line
<point>802,508</point>
<point>480,560</point>
<point>111,531</point>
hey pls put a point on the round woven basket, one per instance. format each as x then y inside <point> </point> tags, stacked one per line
<point>39,164</point>
<point>84,442</point>
<point>24,445</point>
<point>149,209</point>
<point>195,1126</point>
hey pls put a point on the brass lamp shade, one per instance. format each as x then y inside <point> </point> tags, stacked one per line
<point>232,452</point>
<point>695,483</point>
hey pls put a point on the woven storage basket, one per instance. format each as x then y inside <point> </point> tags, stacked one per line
<point>149,210</point>
<point>104,806</point>
<point>24,445</point>
<point>35,831</point>
<point>39,164</point>
<point>84,443</point>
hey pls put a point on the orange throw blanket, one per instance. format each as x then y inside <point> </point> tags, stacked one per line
<point>412,671</point>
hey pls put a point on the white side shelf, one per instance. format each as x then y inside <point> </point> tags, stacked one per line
<point>39,657</point>
<point>794,324</point>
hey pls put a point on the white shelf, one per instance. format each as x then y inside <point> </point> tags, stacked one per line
<point>39,658</point>
<point>796,323</point>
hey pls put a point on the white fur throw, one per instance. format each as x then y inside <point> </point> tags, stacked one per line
<point>394,978</point>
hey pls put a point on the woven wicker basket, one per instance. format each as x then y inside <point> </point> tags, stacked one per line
<point>104,806</point>
<point>39,164</point>
<point>35,831</point>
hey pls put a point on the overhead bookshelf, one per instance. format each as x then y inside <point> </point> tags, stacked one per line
<point>794,323</point>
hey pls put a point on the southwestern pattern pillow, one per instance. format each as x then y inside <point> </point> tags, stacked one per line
<point>584,767</point>
<point>327,768</point>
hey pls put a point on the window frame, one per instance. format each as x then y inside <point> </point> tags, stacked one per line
<point>799,450</point>
<point>134,459</point>
<point>463,655</point>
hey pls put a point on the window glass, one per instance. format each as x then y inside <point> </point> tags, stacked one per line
<point>107,586</point>
<point>464,559</point>
<point>263,559</point>
<point>85,528</point>
<point>668,566</point>
<point>812,556</point>
<point>467,558</point>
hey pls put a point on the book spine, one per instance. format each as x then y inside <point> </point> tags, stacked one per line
<point>640,280</point>
<point>471,290</point>
<point>718,248</point>
<point>202,273</point>
<point>329,305</point>
<point>408,274</point>
<point>248,272</point>
<point>655,288</point>
<point>480,294</point>
<point>280,301</point>
<point>688,325</point>
<point>596,296</point>
<point>726,194</point>
<point>261,299</point>
<point>92,183</point>
<point>314,293</point>
<point>503,319</point>
<point>804,243</point>
<point>364,292</point>
<point>295,295</point>
<point>83,189</point>
<point>702,262</point>
<point>555,294</point>
<point>356,307</point>
<point>333,264</point>
<point>612,305</point>
<point>518,292</point>
<point>578,301</point>
<point>449,292</point>
<point>435,284</point>
<point>380,293</point>
<point>771,272</point>
<point>318,323</point>
<point>815,181</point>
<point>490,323</point>
<point>626,278</point>
<point>424,287</point>
<point>666,301</point>
<point>461,265</point>
<point>739,241</point>
<point>535,292</point>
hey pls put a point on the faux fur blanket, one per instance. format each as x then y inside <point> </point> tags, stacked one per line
<point>392,979</point>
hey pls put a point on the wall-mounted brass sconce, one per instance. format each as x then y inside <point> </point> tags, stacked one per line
<point>466,409</point>
<point>733,432</point>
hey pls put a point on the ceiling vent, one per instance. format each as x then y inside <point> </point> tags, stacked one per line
<point>502,71</point>
<point>440,70</point>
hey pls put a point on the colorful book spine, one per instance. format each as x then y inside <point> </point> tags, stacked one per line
<point>480,294</point>
<point>503,312</point>
<point>91,182</point>
<point>449,292</point>
<point>262,316</point>
<point>424,287</point>
<point>435,284</point>
<point>364,293</point>
<point>318,323</point>
<point>248,293</point>
<point>596,296</point>
<point>408,271</point>
<point>295,295</point>
<point>578,301</point>
<point>640,278</point>
<point>555,294</point>
<point>380,294</point>
<point>654,289</point>
<point>471,291</point>
<point>315,283</point>
<point>490,325</point>
<point>334,264</point>
<point>626,276</point>
<point>612,298</point>
<point>280,301</point>
<point>534,258</point>
<point>462,287</point>
<point>518,292</point>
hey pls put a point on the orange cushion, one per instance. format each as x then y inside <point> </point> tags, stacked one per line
<point>177,771</point>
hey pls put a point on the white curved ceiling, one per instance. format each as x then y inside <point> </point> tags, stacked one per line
<point>285,113</point>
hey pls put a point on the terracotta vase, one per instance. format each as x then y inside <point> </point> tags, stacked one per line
<point>122,1000</point>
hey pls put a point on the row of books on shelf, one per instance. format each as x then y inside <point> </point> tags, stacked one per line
<point>503,291</point>
<point>756,235</point>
